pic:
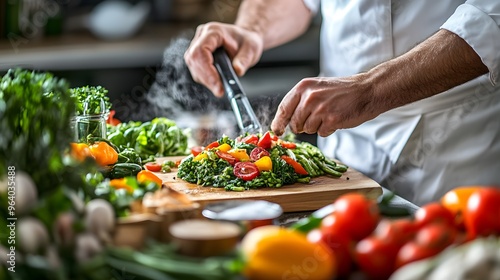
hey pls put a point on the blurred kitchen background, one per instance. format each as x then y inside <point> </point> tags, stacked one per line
<point>119,44</point>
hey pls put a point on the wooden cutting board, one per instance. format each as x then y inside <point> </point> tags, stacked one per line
<point>320,192</point>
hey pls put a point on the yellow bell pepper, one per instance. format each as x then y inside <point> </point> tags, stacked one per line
<point>240,154</point>
<point>264,163</point>
<point>224,147</point>
<point>268,255</point>
<point>200,156</point>
<point>145,176</point>
<point>80,151</point>
<point>103,153</point>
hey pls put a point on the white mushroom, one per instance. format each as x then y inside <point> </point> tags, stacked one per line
<point>63,229</point>
<point>100,219</point>
<point>32,235</point>
<point>26,194</point>
<point>87,246</point>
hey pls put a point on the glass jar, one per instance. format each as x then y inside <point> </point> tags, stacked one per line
<point>85,126</point>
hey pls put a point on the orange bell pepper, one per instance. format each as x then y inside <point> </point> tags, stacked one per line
<point>103,153</point>
<point>121,184</point>
<point>455,200</point>
<point>267,252</point>
<point>145,176</point>
<point>80,151</point>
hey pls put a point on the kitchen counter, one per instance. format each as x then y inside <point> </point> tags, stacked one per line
<point>81,50</point>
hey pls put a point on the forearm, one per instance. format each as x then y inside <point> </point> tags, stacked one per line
<point>440,63</point>
<point>277,21</point>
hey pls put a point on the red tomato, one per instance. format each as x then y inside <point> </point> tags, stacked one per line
<point>482,215</point>
<point>398,231</point>
<point>436,236</point>
<point>299,169</point>
<point>196,150</point>
<point>251,139</point>
<point>152,166</point>
<point>357,214</point>
<point>433,213</point>
<point>288,145</point>
<point>227,157</point>
<point>246,170</point>
<point>265,141</point>
<point>111,119</point>
<point>412,251</point>
<point>376,257</point>
<point>340,245</point>
<point>212,145</point>
<point>257,153</point>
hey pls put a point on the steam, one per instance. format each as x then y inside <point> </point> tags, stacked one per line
<point>176,96</point>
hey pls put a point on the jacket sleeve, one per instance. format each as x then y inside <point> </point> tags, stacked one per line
<point>478,23</point>
<point>312,5</point>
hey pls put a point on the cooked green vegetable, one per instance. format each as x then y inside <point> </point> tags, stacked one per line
<point>159,137</point>
<point>213,168</point>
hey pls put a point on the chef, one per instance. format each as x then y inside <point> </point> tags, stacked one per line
<point>408,93</point>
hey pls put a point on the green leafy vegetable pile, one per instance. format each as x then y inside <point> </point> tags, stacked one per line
<point>35,109</point>
<point>290,163</point>
<point>156,138</point>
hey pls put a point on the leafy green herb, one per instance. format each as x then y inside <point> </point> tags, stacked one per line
<point>91,100</point>
<point>35,109</point>
<point>159,137</point>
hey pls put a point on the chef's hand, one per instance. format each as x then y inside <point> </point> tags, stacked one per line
<point>243,46</point>
<point>323,105</point>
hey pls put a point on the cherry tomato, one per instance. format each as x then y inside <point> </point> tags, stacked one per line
<point>357,214</point>
<point>265,141</point>
<point>250,139</point>
<point>288,145</point>
<point>433,212</point>
<point>227,157</point>
<point>257,153</point>
<point>376,257</point>
<point>340,245</point>
<point>435,235</point>
<point>196,150</point>
<point>212,145</point>
<point>299,169</point>
<point>246,170</point>
<point>412,251</point>
<point>482,215</point>
<point>153,166</point>
<point>398,231</point>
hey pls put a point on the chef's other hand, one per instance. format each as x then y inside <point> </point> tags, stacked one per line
<point>323,105</point>
<point>243,46</point>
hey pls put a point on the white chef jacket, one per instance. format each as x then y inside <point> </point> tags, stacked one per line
<point>426,148</point>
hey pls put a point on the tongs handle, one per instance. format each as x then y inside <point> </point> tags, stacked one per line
<point>245,116</point>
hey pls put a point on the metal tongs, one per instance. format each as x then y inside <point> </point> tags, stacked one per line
<point>245,116</point>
